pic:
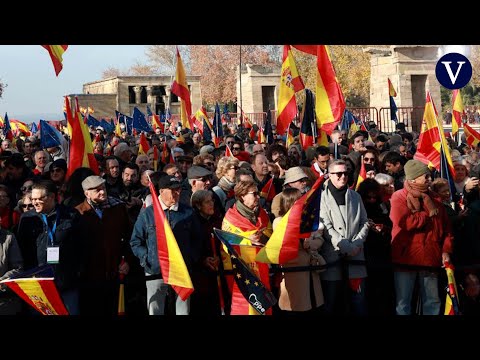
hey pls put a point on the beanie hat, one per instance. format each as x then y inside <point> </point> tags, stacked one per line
<point>414,168</point>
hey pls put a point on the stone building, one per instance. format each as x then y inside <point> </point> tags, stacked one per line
<point>123,93</point>
<point>259,88</point>
<point>411,69</point>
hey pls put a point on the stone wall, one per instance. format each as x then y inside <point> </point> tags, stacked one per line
<point>101,104</point>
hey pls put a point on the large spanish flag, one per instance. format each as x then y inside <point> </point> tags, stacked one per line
<point>473,137</point>
<point>180,88</point>
<point>457,111</point>
<point>432,140</point>
<point>290,83</point>
<point>37,288</point>
<point>298,222</point>
<point>174,270</point>
<point>56,54</point>
<point>329,103</point>
<point>81,147</point>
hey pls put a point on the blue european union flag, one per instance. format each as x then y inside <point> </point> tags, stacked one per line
<point>252,289</point>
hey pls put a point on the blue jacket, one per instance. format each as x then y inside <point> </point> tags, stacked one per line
<point>185,227</point>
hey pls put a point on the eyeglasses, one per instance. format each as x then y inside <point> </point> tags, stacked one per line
<point>340,173</point>
<point>254,193</point>
<point>369,159</point>
<point>230,142</point>
<point>26,188</point>
<point>236,148</point>
<point>27,206</point>
<point>205,178</point>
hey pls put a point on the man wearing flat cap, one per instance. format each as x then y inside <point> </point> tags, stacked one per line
<point>187,231</point>
<point>199,178</point>
<point>421,236</point>
<point>106,229</point>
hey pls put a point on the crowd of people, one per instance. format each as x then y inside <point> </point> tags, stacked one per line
<point>379,249</point>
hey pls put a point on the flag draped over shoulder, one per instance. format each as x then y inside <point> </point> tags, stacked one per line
<point>473,137</point>
<point>451,304</point>
<point>393,107</point>
<point>290,83</point>
<point>432,140</point>
<point>56,54</point>
<point>299,222</point>
<point>457,111</point>
<point>37,288</point>
<point>251,287</point>
<point>174,270</point>
<point>180,88</point>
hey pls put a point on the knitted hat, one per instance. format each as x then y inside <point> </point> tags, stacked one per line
<point>414,168</point>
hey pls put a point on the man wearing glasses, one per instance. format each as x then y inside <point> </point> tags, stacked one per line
<point>346,228</point>
<point>50,235</point>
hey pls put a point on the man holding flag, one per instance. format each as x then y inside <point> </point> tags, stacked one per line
<point>145,244</point>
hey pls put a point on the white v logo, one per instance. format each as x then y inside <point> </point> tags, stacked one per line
<point>449,70</point>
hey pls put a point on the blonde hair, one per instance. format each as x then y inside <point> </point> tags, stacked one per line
<point>224,164</point>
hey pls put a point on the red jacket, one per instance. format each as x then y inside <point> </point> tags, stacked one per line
<point>418,239</point>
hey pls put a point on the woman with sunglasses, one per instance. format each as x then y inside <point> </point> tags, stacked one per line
<point>226,168</point>
<point>248,219</point>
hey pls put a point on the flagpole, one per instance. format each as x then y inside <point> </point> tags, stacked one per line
<point>240,80</point>
<point>443,155</point>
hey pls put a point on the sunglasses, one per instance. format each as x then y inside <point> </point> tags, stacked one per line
<point>27,206</point>
<point>205,178</point>
<point>340,173</point>
<point>236,148</point>
<point>26,188</point>
<point>369,159</point>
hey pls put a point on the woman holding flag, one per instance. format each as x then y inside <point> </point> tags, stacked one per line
<point>248,219</point>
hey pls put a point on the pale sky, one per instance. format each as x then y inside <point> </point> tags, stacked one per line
<point>34,91</point>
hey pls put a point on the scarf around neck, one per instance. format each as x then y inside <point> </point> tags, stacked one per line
<point>225,184</point>
<point>247,213</point>
<point>415,192</point>
<point>338,194</point>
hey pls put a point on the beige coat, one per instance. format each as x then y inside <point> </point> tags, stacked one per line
<point>295,286</point>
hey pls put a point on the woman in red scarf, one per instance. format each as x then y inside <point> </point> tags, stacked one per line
<point>248,219</point>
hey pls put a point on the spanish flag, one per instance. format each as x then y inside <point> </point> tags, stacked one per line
<point>298,222</point>
<point>289,137</point>
<point>473,137</point>
<point>330,103</point>
<point>228,152</point>
<point>37,288</point>
<point>290,83</point>
<point>56,54</point>
<point>268,191</point>
<point>393,107</point>
<point>81,147</point>
<point>432,140</point>
<point>457,111</point>
<point>143,147</point>
<point>200,116</point>
<point>451,303</point>
<point>362,175</point>
<point>174,270</point>
<point>180,88</point>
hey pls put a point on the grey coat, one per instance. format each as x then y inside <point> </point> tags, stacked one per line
<point>346,227</point>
